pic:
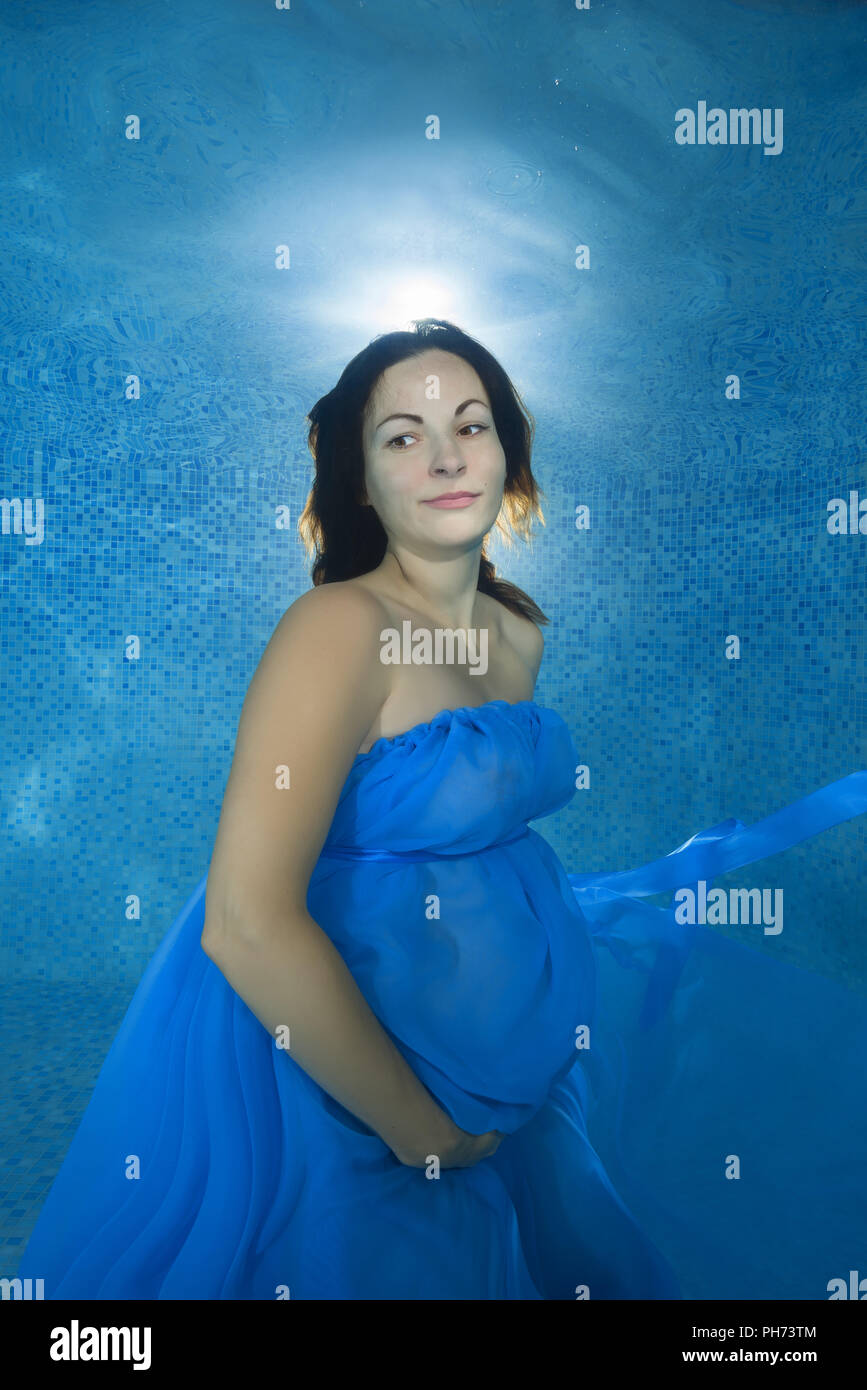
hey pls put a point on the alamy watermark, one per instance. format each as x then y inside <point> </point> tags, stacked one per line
<point>737,126</point>
<point>732,907</point>
<point>23,1289</point>
<point>444,646</point>
<point>23,516</point>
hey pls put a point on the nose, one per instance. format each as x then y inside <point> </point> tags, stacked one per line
<point>447,460</point>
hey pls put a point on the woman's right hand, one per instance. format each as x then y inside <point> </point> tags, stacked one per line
<point>461,1150</point>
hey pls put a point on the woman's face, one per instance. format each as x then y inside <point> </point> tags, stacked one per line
<point>446,443</point>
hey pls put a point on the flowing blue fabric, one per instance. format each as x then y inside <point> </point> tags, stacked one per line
<point>683,1116</point>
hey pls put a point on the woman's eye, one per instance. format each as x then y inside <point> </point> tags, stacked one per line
<point>394,441</point>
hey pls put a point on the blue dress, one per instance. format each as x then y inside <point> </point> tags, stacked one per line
<point>684,1116</point>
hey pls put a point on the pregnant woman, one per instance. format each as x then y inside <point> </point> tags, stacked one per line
<point>373,1057</point>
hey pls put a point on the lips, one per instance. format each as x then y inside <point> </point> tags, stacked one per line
<point>451,499</point>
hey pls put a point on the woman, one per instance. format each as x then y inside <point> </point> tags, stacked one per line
<point>362,1062</point>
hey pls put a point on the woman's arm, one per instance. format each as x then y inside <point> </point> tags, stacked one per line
<point>315,694</point>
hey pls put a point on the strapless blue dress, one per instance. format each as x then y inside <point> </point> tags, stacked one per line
<point>683,1116</point>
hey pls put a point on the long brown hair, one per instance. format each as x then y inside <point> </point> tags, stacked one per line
<point>346,537</point>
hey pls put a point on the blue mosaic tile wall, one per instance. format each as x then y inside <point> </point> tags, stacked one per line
<point>117,767</point>
<point>171,515</point>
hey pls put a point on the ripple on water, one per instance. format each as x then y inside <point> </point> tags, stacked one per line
<point>510,179</point>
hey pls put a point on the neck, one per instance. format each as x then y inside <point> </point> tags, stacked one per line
<point>447,590</point>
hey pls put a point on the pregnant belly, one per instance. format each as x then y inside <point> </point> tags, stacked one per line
<point>481,974</point>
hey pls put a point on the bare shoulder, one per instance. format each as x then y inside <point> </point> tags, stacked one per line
<point>333,607</point>
<point>315,692</point>
<point>327,646</point>
<point>524,636</point>
<point>321,673</point>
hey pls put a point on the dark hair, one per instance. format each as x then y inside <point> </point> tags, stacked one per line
<point>347,537</point>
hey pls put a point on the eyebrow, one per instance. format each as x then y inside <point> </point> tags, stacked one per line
<point>418,419</point>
